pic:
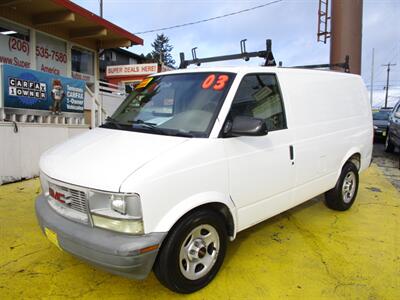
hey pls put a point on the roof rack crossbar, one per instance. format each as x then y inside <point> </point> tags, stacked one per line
<point>344,65</point>
<point>267,54</point>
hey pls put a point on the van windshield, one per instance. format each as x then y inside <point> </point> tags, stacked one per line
<point>179,104</point>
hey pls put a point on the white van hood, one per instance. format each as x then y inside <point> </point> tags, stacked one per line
<point>103,158</point>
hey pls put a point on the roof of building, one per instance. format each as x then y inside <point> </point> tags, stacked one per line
<point>127,53</point>
<point>70,21</point>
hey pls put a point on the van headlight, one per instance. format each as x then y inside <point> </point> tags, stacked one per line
<point>120,225</point>
<point>118,203</point>
<point>116,211</point>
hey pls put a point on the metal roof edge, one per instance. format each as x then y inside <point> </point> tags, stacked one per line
<point>95,18</point>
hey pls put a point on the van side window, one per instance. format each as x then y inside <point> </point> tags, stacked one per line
<point>259,96</point>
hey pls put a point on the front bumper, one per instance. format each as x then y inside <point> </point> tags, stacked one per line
<point>114,252</point>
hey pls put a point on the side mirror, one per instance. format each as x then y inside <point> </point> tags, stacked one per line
<point>248,126</point>
<point>397,114</point>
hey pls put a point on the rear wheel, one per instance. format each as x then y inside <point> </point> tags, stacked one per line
<point>342,196</point>
<point>193,252</point>
<point>389,146</point>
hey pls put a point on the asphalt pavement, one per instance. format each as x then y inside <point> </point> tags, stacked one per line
<point>388,163</point>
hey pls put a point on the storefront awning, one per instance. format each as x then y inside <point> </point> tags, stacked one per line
<point>69,21</point>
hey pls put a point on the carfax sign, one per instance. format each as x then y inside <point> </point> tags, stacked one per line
<point>29,89</point>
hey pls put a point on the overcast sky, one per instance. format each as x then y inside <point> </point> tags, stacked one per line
<point>291,24</point>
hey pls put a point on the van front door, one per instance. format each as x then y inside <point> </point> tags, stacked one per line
<point>261,168</point>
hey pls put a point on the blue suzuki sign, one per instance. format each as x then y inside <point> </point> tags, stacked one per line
<point>29,89</point>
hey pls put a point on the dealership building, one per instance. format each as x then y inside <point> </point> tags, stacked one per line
<point>49,78</point>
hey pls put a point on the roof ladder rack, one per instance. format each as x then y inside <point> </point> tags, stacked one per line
<point>267,54</point>
<point>344,65</point>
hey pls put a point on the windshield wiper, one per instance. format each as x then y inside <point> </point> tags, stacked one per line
<point>139,121</point>
<point>153,127</point>
<point>113,121</point>
<point>181,133</point>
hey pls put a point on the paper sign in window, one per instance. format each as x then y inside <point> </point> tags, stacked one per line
<point>144,83</point>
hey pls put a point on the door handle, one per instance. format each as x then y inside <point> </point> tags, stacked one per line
<point>291,153</point>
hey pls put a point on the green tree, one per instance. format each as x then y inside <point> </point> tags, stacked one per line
<point>148,58</point>
<point>162,50</point>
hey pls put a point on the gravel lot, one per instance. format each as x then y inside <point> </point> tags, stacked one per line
<point>388,163</point>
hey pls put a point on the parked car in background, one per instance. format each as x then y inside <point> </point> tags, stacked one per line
<point>381,121</point>
<point>393,136</point>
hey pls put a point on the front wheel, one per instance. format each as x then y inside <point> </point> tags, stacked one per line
<point>193,252</point>
<point>389,146</point>
<point>342,196</point>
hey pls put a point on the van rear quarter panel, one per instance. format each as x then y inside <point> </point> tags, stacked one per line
<point>331,119</point>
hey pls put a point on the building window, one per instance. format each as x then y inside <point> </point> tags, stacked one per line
<point>15,46</point>
<point>82,65</point>
<point>132,61</point>
<point>12,30</point>
<point>82,61</point>
<point>113,56</point>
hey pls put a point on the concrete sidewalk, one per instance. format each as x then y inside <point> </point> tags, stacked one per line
<point>309,252</point>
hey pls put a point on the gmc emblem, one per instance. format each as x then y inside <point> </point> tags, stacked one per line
<point>60,197</point>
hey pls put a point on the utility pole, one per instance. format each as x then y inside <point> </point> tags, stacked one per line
<point>372,77</point>
<point>387,81</point>
<point>346,33</point>
<point>101,8</point>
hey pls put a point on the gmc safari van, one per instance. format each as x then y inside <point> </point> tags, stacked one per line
<point>193,157</point>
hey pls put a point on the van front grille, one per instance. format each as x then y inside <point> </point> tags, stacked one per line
<point>78,200</point>
<point>72,203</point>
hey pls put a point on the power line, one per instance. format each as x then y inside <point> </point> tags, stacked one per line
<point>211,19</point>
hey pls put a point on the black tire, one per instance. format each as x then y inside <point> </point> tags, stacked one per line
<point>389,146</point>
<point>339,198</point>
<point>167,267</point>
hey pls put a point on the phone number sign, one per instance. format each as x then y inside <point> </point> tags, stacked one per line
<point>14,51</point>
<point>51,55</point>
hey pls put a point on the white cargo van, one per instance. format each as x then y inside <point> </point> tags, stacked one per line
<point>195,156</point>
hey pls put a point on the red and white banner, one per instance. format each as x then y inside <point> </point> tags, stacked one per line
<point>129,70</point>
